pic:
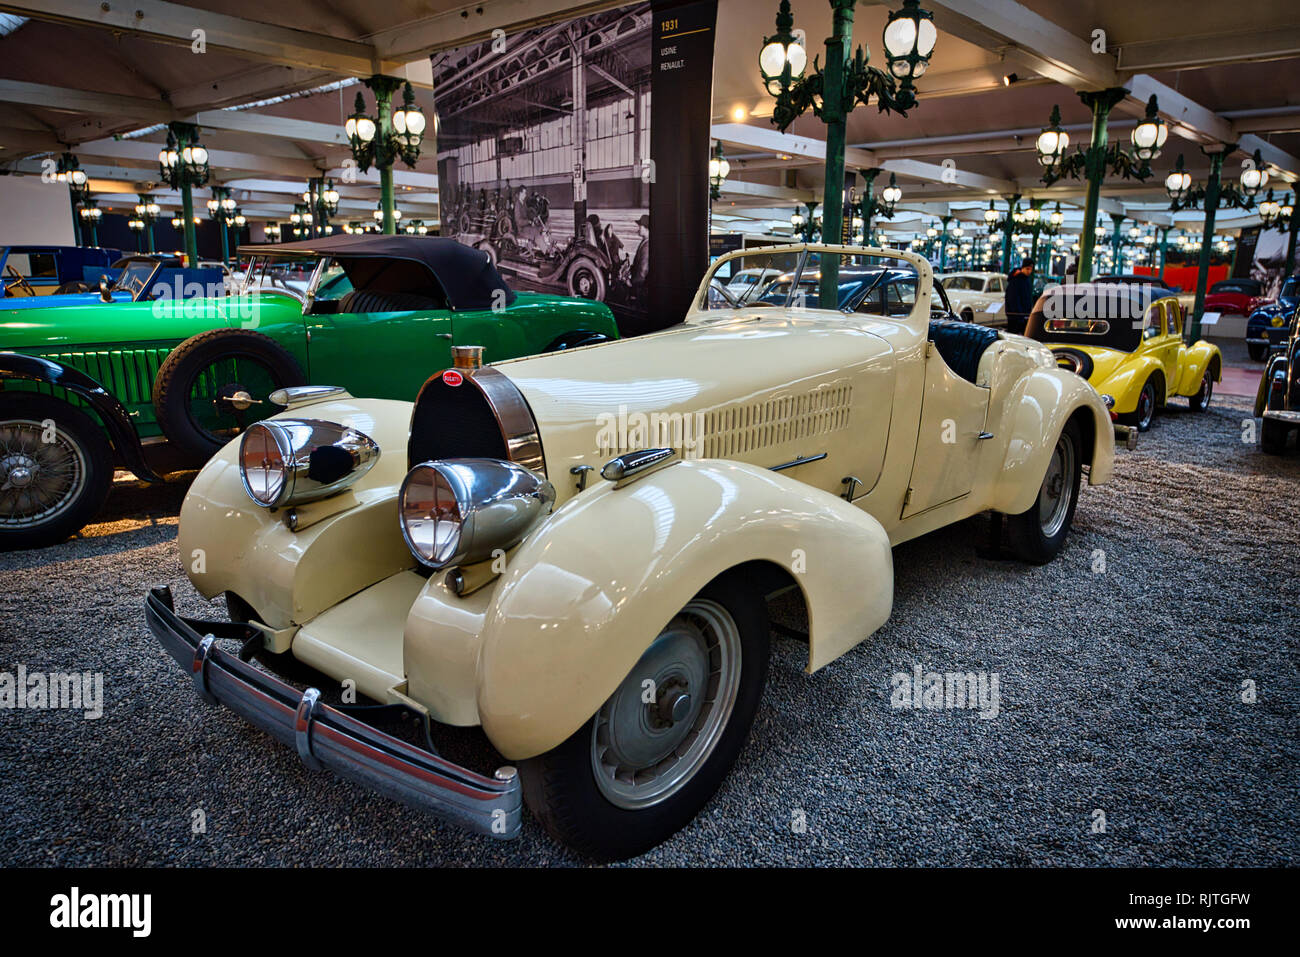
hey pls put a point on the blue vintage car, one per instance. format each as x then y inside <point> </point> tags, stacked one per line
<point>41,270</point>
<point>1267,326</point>
<point>131,279</point>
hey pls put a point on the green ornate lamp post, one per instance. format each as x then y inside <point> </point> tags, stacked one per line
<point>1007,225</point>
<point>390,135</point>
<point>222,208</point>
<point>807,224</point>
<point>1147,139</point>
<point>873,206</point>
<point>68,170</point>
<point>146,214</point>
<point>832,93</point>
<point>719,169</point>
<point>1210,197</point>
<point>1281,215</point>
<point>272,232</point>
<point>183,164</point>
<point>90,215</point>
<point>322,199</point>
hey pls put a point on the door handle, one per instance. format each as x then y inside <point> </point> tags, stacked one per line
<point>442,335</point>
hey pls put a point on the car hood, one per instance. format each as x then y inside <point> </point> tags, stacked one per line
<point>92,324</point>
<point>752,387</point>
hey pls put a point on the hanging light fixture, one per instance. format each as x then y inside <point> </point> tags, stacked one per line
<point>783,57</point>
<point>1149,136</point>
<point>1053,141</point>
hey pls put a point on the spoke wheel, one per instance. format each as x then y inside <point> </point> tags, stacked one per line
<point>56,467</point>
<point>39,480</point>
<point>643,751</point>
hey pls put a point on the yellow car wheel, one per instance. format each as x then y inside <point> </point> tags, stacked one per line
<point>1146,407</point>
<point>1200,401</point>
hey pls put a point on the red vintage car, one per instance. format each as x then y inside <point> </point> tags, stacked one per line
<point>1235,297</point>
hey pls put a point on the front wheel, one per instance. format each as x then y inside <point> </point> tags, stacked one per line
<point>1200,402</point>
<point>1038,535</point>
<point>56,467</point>
<point>586,279</point>
<point>1257,352</point>
<point>654,754</point>
<point>1146,408</point>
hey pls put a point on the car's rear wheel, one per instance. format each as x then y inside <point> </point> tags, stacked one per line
<point>1038,534</point>
<point>654,754</point>
<point>1272,436</point>
<point>56,467</point>
<point>1146,408</point>
<point>213,386</point>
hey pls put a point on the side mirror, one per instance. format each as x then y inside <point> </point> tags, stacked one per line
<point>105,291</point>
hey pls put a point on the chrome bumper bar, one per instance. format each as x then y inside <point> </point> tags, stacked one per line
<point>326,737</point>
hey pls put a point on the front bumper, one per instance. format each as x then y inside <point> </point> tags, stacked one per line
<point>330,738</point>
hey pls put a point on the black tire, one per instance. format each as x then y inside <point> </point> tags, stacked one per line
<point>967,315</point>
<point>1036,538</point>
<point>586,279</point>
<point>79,448</point>
<point>1272,436</point>
<point>1257,352</point>
<point>561,788</point>
<point>1074,360</point>
<point>1148,400</point>
<point>505,225</point>
<point>193,407</point>
<point>1200,401</point>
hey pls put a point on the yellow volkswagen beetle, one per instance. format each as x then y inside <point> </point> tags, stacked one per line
<point>1129,345</point>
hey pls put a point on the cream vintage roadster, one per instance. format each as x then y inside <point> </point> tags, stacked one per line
<point>574,550</point>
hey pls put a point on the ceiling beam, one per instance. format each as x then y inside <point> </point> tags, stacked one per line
<point>1049,49</point>
<point>246,121</point>
<point>936,173</point>
<point>144,152</point>
<point>1172,53</point>
<point>774,141</point>
<point>177,24</point>
<point>66,99</point>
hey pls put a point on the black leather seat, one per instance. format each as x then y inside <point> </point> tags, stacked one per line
<point>961,344</point>
<point>363,300</point>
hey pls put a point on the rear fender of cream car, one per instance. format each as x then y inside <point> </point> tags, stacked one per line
<point>590,589</point>
<point>342,544</point>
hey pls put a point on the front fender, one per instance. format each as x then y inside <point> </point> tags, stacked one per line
<point>588,592</point>
<point>1034,416</point>
<point>1199,357</point>
<point>111,412</point>
<point>228,543</point>
<point>1126,382</point>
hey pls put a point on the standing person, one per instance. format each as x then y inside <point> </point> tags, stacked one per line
<point>1020,297</point>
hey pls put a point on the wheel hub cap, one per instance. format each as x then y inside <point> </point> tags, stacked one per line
<point>664,720</point>
<point>19,471</point>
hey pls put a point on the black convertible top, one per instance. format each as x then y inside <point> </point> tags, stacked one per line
<point>382,263</point>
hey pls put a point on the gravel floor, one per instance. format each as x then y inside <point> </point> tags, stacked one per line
<point>1120,691</point>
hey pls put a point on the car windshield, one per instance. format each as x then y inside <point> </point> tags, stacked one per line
<point>290,276</point>
<point>1291,288</point>
<point>1237,285</point>
<point>882,285</point>
<point>134,276</point>
<point>962,284</point>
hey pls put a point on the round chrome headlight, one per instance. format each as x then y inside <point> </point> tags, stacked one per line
<point>462,511</point>
<point>263,453</point>
<point>290,461</point>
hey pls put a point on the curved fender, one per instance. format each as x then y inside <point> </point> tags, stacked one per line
<point>1034,415</point>
<point>585,596</point>
<point>1198,358</point>
<point>117,421</point>
<point>1127,381</point>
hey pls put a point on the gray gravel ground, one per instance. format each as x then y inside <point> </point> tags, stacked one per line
<point>1120,691</point>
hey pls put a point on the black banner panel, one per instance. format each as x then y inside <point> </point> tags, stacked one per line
<point>682,84</point>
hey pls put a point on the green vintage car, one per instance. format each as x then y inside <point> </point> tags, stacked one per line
<point>155,386</point>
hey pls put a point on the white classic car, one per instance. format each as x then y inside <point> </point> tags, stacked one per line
<point>977,296</point>
<point>573,551</point>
